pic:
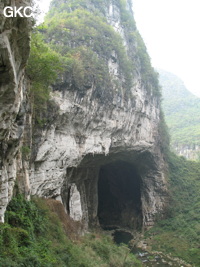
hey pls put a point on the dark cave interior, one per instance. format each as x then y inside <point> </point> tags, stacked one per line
<point>119,196</point>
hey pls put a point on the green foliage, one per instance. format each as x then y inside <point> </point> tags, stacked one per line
<point>164,135</point>
<point>21,213</point>
<point>100,6</point>
<point>25,151</point>
<point>43,68</point>
<point>126,17</point>
<point>182,110</point>
<point>33,235</point>
<point>87,37</point>
<point>71,50</point>
<point>44,63</point>
<point>24,224</point>
<point>149,76</point>
<point>73,27</point>
<point>179,232</point>
<point>83,68</point>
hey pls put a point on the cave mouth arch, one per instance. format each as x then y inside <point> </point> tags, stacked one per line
<point>119,196</point>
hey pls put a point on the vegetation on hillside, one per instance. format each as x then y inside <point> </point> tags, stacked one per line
<point>179,232</point>
<point>182,110</point>
<point>39,233</point>
<point>71,50</point>
<point>44,67</point>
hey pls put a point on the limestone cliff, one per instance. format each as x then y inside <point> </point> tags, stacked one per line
<point>101,155</point>
<point>190,152</point>
<point>103,149</point>
<point>14,51</point>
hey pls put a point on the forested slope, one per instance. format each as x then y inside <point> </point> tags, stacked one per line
<point>179,232</point>
<point>182,114</point>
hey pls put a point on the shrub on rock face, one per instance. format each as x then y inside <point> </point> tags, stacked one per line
<point>77,39</point>
<point>43,68</point>
<point>87,42</point>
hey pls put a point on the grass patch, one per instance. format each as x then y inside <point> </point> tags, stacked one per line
<point>39,233</point>
<point>179,232</point>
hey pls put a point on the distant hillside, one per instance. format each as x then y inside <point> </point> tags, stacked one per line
<point>182,113</point>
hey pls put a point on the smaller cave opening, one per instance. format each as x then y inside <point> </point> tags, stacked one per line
<point>120,236</point>
<point>119,196</point>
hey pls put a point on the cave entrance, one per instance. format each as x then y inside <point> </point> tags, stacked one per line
<point>119,196</point>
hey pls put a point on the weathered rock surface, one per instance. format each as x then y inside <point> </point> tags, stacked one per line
<point>14,52</point>
<point>116,140</point>
<point>190,152</point>
<point>89,135</point>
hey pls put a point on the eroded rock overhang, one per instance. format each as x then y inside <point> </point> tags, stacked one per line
<point>122,190</point>
<point>95,130</point>
<point>89,137</point>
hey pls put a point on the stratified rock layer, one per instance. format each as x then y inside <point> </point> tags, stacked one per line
<point>89,135</point>
<point>111,135</point>
<point>14,52</point>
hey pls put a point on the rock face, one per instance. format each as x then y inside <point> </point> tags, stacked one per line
<point>102,155</point>
<point>109,151</point>
<point>190,152</point>
<point>14,52</point>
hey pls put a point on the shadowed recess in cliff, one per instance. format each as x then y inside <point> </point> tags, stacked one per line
<point>119,196</point>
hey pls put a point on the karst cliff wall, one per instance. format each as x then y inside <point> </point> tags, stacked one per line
<point>101,155</point>
<point>190,152</point>
<point>14,110</point>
